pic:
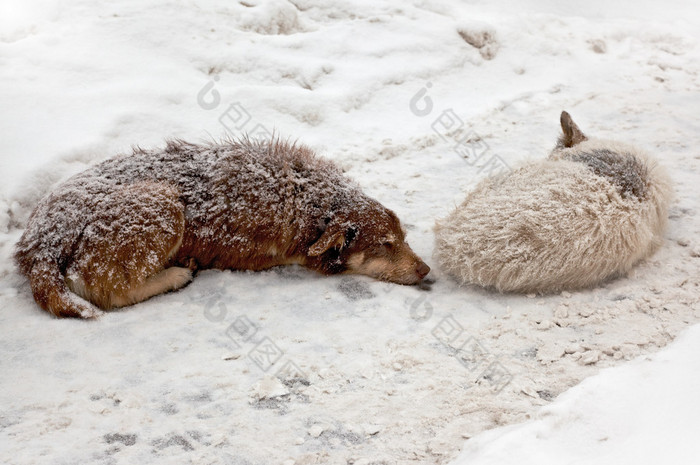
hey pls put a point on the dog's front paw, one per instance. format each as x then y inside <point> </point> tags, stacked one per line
<point>177,277</point>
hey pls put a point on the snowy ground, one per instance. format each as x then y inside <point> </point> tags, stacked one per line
<point>641,412</point>
<point>373,85</point>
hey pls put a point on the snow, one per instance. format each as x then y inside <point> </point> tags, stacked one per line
<point>641,412</point>
<point>380,377</point>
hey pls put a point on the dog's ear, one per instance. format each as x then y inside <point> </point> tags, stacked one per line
<point>331,238</point>
<point>572,134</point>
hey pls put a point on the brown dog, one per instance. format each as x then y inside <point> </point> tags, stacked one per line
<point>136,226</point>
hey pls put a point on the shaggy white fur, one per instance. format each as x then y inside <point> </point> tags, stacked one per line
<point>589,212</point>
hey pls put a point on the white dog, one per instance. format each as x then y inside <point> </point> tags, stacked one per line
<point>589,212</point>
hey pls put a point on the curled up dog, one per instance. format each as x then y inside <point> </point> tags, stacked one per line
<point>589,212</point>
<point>138,225</point>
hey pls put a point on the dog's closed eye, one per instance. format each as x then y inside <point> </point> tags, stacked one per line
<point>388,242</point>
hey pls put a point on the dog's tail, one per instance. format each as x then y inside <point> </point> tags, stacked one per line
<point>51,293</point>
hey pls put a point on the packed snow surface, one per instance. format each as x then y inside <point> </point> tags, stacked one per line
<point>417,101</point>
<point>641,412</point>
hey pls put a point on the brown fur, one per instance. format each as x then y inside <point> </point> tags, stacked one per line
<point>135,226</point>
<point>571,134</point>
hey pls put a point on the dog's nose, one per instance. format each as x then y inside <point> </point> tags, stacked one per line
<point>422,270</point>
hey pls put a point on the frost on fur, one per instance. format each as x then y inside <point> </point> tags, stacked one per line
<point>137,225</point>
<point>589,212</point>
